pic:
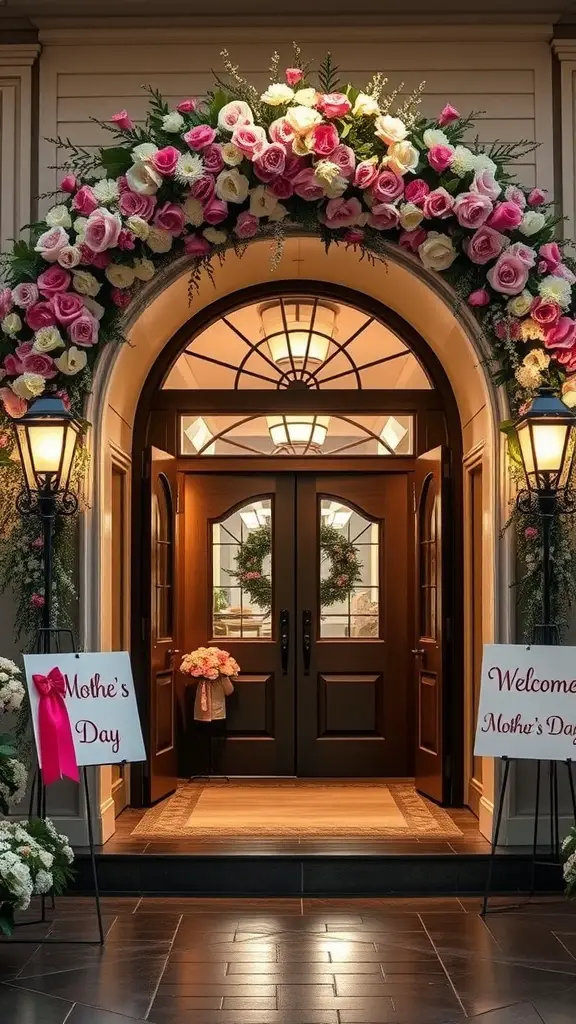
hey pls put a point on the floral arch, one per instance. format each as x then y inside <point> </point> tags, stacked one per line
<point>308,154</point>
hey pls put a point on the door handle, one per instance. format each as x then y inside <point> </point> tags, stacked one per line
<point>171,654</point>
<point>284,639</point>
<point>306,639</point>
<point>419,652</point>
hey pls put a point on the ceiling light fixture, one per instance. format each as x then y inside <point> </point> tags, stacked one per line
<point>298,331</point>
<point>297,434</point>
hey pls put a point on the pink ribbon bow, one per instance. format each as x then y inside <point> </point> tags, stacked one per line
<point>56,743</point>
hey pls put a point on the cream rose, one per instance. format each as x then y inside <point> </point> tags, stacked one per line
<point>278,213</point>
<point>194,212</point>
<point>144,151</point>
<point>47,339</point>
<point>275,95</point>
<point>143,178</point>
<point>59,217</point>
<point>159,240</point>
<point>402,158</point>
<point>139,227</point>
<point>302,119</point>
<point>119,275</point>
<point>437,251</point>
<point>390,129</point>
<point>69,256</point>
<point>365,106</point>
<point>28,385</point>
<point>71,361</point>
<point>520,304</point>
<point>215,236</point>
<point>262,202</point>
<point>144,270</point>
<point>532,222</point>
<point>231,186</point>
<point>306,97</point>
<point>11,324</point>
<point>231,155</point>
<point>410,216</point>
<point>569,392</point>
<point>94,307</point>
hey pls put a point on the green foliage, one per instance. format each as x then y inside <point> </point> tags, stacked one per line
<point>328,77</point>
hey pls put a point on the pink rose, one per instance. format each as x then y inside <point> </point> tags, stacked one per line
<point>6,302</point>
<point>84,330</point>
<point>123,121</point>
<point>281,187</point>
<point>195,245</point>
<point>25,294</point>
<point>40,315</point>
<point>281,131</point>
<point>387,187</point>
<point>170,218</point>
<point>102,230</point>
<point>41,364</point>
<point>293,76</point>
<point>440,157</point>
<point>471,209</point>
<point>126,240</point>
<point>365,174</point>
<point>294,164</point>
<point>447,115</point>
<point>485,184</point>
<point>384,217</point>
<point>271,162</point>
<point>485,245</point>
<point>131,204</point>
<point>323,139</point>
<point>438,203</point>
<point>246,225</point>
<point>550,253</point>
<point>536,197</point>
<point>354,236</point>
<point>54,280</point>
<point>203,188</point>
<point>12,365</point>
<point>567,358</point>
<point>545,312</point>
<point>13,406</point>
<point>213,159</point>
<point>306,185</point>
<point>85,201</point>
<point>515,195</point>
<point>524,252</point>
<point>215,211</point>
<point>187,107</point>
<point>121,298</point>
<point>563,271</point>
<point>95,259</point>
<point>165,160</point>
<point>561,335</point>
<point>411,240</point>
<point>250,139</point>
<point>505,217</point>
<point>342,213</point>
<point>343,157</point>
<point>200,136</point>
<point>68,183</point>
<point>479,298</point>
<point>508,275</point>
<point>416,191</point>
<point>334,104</point>
<point>67,307</point>
<point>51,243</point>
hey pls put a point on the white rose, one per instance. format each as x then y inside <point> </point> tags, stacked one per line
<point>302,119</point>
<point>59,217</point>
<point>173,122</point>
<point>532,222</point>
<point>437,251</point>
<point>47,339</point>
<point>119,275</point>
<point>28,385</point>
<point>94,307</point>
<point>306,97</point>
<point>69,256</point>
<point>144,270</point>
<point>231,186</point>
<point>336,188</point>
<point>365,106</point>
<point>11,324</point>
<point>390,129</point>
<point>410,216</point>
<point>402,157</point>
<point>80,227</point>
<point>277,94</point>
<point>233,113</point>
<point>262,201</point>
<point>142,178</point>
<point>217,237</point>
<point>194,212</point>
<point>85,283</point>
<point>72,361</point>
<point>159,240</point>
<point>139,227</point>
<point>435,137</point>
<point>482,162</point>
<point>278,213</point>
<point>144,151</point>
<point>231,155</point>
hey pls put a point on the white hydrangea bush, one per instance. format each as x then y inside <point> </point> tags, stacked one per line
<point>569,852</point>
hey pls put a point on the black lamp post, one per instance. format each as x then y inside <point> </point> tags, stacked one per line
<point>547,438</point>
<point>47,437</point>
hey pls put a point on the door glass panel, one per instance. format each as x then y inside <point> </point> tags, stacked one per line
<point>428,559</point>
<point>242,572</point>
<point>349,572</point>
<point>163,558</point>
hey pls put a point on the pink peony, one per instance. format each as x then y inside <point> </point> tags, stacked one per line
<point>438,204</point>
<point>123,121</point>
<point>387,187</point>
<point>447,115</point>
<point>67,307</point>
<point>505,217</point>
<point>545,312</point>
<point>53,280</point>
<point>246,225</point>
<point>485,245</point>
<point>485,184</point>
<point>131,204</point>
<point>440,157</point>
<point>551,255</point>
<point>85,201</point>
<point>195,245</point>
<point>281,131</point>
<point>536,197</point>
<point>40,315</point>
<point>411,240</point>
<point>102,230</point>
<point>120,297</point>
<point>343,157</point>
<point>334,104</point>
<point>281,187</point>
<point>508,275</point>
<point>416,191</point>
<point>215,211</point>
<point>25,294</point>
<point>250,139</point>
<point>479,298</point>
<point>384,217</point>
<point>306,186</point>
<point>293,76</point>
<point>323,139</point>
<point>68,183</point>
<point>365,174</point>
<point>84,330</point>
<point>561,335</point>
<point>213,159</point>
<point>471,209</point>
<point>200,136</point>
<point>342,213</point>
<point>203,188</point>
<point>165,160</point>
<point>271,162</point>
<point>170,218</point>
<point>6,302</point>
<point>187,107</point>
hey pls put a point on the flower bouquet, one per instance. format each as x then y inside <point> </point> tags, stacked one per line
<point>214,670</point>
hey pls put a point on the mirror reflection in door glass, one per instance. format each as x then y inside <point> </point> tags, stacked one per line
<point>349,572</point>
<point>242,573</point>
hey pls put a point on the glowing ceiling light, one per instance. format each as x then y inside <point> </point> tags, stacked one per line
<point>302,335</point>
<point>392,433</point>
<point>199,433</point>
<point>295,433</point>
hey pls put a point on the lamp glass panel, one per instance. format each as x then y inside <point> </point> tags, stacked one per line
<point>27,467</point>
<point>46,445</point>
<point>68,457</point>
<point>549,441</point>
<point>525,441</point>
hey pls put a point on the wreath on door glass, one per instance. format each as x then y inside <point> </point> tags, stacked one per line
<point>345,566</point>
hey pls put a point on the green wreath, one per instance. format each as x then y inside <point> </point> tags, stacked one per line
<point>345,566</point>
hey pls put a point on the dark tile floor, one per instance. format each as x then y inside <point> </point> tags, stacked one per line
<point>194,961</point>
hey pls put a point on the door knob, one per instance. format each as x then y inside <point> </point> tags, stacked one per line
<point>418,652</point>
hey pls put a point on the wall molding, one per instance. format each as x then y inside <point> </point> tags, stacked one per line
<point>15,139</point>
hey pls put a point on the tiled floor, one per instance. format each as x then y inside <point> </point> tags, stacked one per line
<point>192,961</point>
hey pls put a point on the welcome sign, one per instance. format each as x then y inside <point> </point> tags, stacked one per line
<point>527,706</point>
<point>97,692</point>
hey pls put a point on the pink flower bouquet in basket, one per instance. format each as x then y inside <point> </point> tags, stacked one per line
<point>214,670</point>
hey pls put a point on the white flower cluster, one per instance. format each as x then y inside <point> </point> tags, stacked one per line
<point>14,778</point>
<point>11,687</point>
<point>26,866</point>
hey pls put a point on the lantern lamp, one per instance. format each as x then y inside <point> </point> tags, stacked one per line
<point>47,436</point>
<point>547,438</point>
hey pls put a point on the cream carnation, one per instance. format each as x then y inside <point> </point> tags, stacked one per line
<point>106,190</point>
<point>173,122</point>
<point>482,162</point>
<point>437,251</point>
<point>435,137</point>
<point>28,385</point>
<point>139,227</point>
<point>215,236</point>
<point>119,275</point>
<point>390,129</point>
<point>531,331</point>
<point>194,212</point>
<point>159,240</point>
<point>556,289</point>
<point>47,339</point>
<point>189,168</point>
<point>532,222</point>
<point>59,217</point>
<point>365,106</point>
<point>275,95</point>
<point>144,270</point>
<point>231,186</point>
<point>528,377</point>
<point>231,155</point>
<point>463,161</point>
<point>72,361</point>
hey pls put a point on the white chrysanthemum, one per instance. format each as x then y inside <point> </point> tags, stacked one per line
<point>189,168</point>
<point>215,236</point>
<point>435,137</point>
<point>59,217</point>
<point>144,151</point>
<point>173,122</point>
<point>528,377</point>
<point>463,161</point>
<point>106,191</point>
<point>482,162</point>
<point>277,94</point>
<point>194,212</point>
<point>555,289</point>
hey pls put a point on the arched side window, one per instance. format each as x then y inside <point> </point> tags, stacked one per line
<point>428,559</point>
<point>163,559</point>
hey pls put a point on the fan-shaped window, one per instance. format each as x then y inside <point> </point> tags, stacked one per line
<point>163,558</point>
<point>242,572</point>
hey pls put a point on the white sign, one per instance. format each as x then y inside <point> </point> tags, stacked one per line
<point>100,701</point>
<point>527,702</point>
